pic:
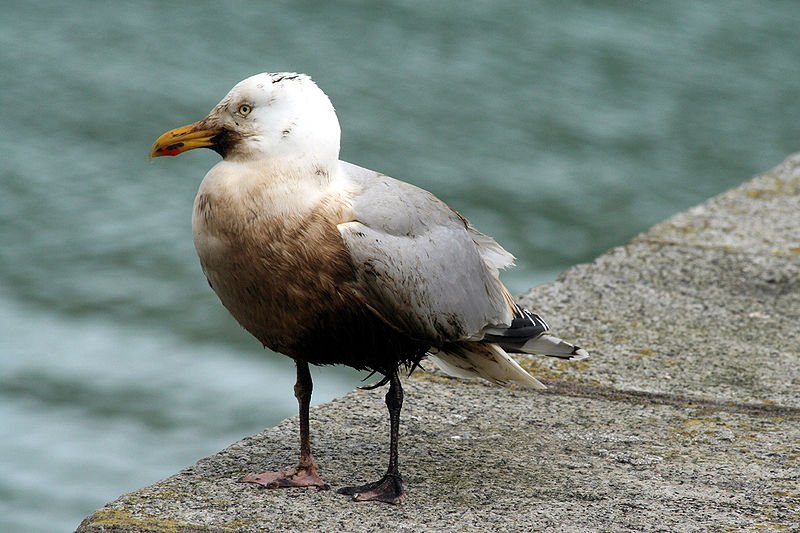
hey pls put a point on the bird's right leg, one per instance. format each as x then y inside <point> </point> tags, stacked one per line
<point>305,473</point>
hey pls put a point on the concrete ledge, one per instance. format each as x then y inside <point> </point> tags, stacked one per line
<point>687,418</point>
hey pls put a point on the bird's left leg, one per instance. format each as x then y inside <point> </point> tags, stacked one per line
<point>305,473</point>
<point>389,488</point>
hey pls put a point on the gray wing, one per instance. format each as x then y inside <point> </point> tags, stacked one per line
<point>419,264</point>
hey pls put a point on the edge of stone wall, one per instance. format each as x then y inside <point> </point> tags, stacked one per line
<point>685,419</point>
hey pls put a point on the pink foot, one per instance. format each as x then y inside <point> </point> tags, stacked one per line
<point>297,477</point>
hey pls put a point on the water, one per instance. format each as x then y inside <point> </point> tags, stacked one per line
<point>562,130</point>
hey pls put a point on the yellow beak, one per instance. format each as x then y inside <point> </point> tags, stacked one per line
<point>181,139</point>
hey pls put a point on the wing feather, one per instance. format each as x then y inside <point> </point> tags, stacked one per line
<point>420,264</point>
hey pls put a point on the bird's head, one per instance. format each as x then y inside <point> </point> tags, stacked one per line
<point>274,116</point>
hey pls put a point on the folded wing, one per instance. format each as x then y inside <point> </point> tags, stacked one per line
<point>420,265</point>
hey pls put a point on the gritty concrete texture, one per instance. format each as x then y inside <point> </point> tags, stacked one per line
<point>687,417</point>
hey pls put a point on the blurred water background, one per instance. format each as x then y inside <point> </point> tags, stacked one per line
<point>560,128</point>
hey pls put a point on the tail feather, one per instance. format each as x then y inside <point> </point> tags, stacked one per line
<point>529,333</point>
<point>550,345</point>
<point>488,359</point>
<point>483,360</point>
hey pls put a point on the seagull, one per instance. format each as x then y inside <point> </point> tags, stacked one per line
<point>330,263</point>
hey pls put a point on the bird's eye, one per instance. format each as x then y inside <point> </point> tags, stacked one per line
<point>244,109</point>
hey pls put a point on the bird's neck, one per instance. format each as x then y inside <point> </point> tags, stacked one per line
<point>276,187</point>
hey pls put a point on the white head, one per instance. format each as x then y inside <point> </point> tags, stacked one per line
<point>281,117</point>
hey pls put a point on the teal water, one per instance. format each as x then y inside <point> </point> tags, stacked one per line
<point>560,129</point>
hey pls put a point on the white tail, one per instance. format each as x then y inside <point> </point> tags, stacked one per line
<point>483,360</point>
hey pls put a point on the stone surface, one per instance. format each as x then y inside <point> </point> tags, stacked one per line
<point>687,417</point>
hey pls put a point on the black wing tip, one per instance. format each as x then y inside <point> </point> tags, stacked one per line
<point>525,314</point>
<point>577,354</point>
<point>526,319</point>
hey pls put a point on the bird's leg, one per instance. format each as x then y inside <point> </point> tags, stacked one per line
<point>305,473</point>
<point>390,487</point>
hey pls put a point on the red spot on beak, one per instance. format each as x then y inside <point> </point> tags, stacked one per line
<point>172,149</point>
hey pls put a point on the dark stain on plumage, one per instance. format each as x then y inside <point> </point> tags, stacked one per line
<point>225,141</point>
<point>462,217</point>
<point>368,268</point>
<point>455,329</point>
<point>287,130</point>
<point>285,77</point>
<point>252,290</point>
<point>203,206</point>
<point>292,284</point>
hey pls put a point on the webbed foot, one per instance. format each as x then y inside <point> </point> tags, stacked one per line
<point>389,489</point>
<point>297,477</point>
